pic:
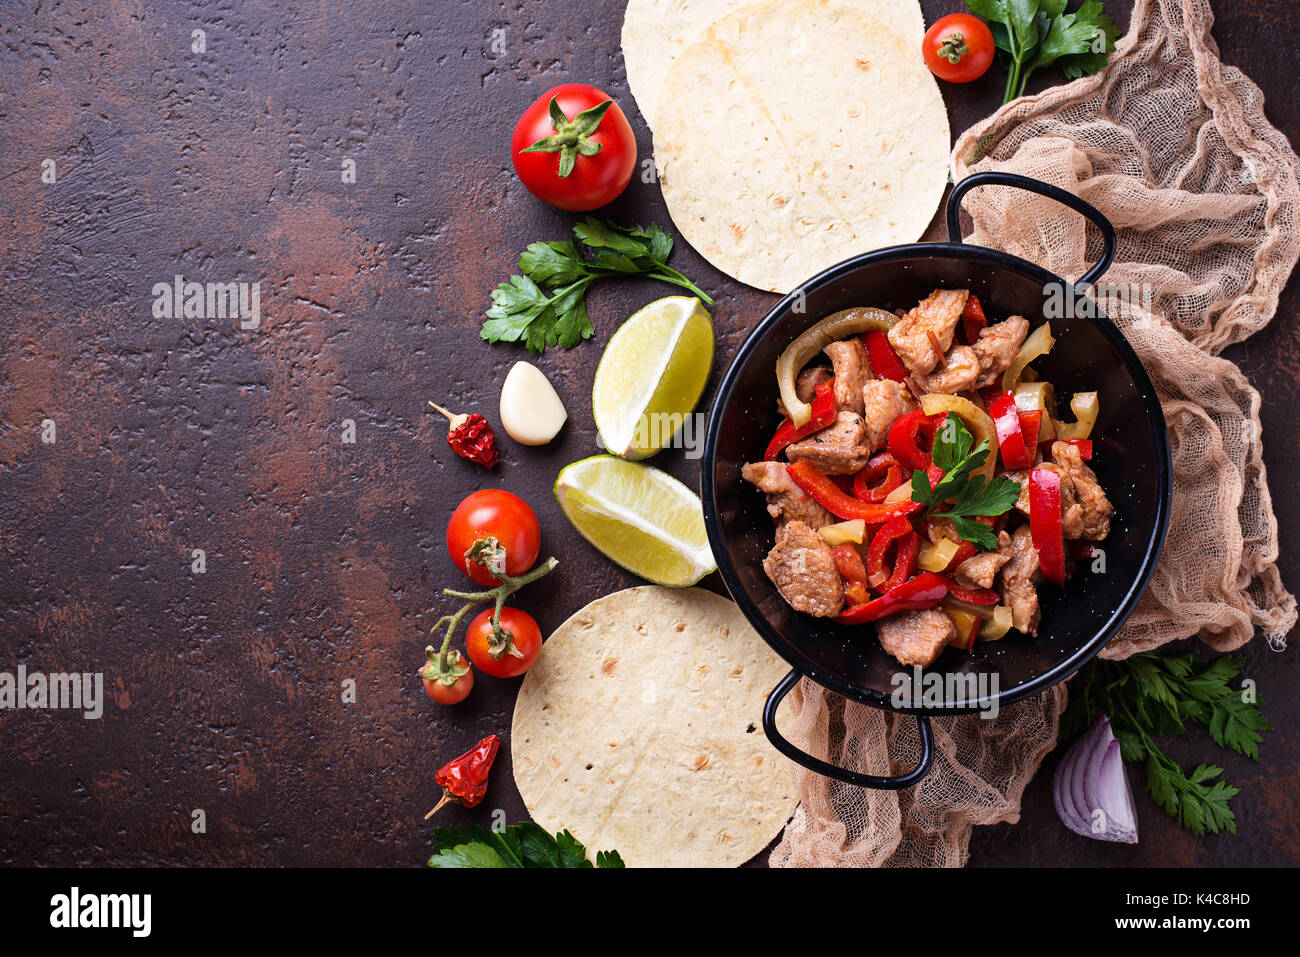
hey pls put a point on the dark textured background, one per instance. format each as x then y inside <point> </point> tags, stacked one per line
<point>324,560</point>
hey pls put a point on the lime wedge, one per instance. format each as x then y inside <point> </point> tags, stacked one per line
<point>652,373</point>
<point>639,517</point>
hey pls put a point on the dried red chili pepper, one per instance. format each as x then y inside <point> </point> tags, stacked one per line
<point>471,437</point>
<point>464,780</point>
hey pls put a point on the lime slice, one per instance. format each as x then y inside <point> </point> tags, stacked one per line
<point>651,375</point>
<point>639,517</point>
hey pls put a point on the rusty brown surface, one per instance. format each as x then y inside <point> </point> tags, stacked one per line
<point>324,560</point>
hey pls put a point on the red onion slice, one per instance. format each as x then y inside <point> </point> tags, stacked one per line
<point>1062,794</point>
<point>1116,795</point>
<point>1091,779</point>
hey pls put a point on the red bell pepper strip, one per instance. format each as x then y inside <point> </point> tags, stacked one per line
<point>1045,523</point>
<point>820,487</point>
<point>883,467</point>
<point>1085,448</point>
<point>924,591</point>
<point>973,319</point>
<point>824,410</point>
<point>895,529</point>
<point>849,563</point>
<point>1011,439</point>
<point>903,435</point>
<point>1031,424</point>
<point>934,474</point>
<point>976,596</point>
<point>909,546</point>
<point>884,360</point>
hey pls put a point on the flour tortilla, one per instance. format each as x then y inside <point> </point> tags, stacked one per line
<point>657,31</point>
<point>796,133</point>
<point>639,730</point>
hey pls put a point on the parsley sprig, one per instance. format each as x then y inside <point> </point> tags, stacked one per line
<point>518,845</point>
<point>1150,696</point>
<point>957,454</point>
<point>1032,34</point>
<point>545,304</point>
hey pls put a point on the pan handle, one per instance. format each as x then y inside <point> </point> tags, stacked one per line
<point>831,771</point>
<point>999,178</point>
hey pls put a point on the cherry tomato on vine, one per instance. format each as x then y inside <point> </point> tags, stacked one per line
<point>496,658</point>
<point>959,48</point>
<point>500,529</point>
<point>573,148</point>
<point>450,683</point>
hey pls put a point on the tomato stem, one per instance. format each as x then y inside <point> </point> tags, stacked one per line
<point>509,585</point>
<point>572,136</point>
<point>439,667</point>
<point>953,48</point>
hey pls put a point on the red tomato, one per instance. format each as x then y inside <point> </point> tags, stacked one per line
<point>958,48</point>
<point>557,132</point>
<point>494,513</point>
<point>453,693</point>
<point>526,637</point>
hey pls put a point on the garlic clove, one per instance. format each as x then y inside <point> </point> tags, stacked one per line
<point>531,412</point>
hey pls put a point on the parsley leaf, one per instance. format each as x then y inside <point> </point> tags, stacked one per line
<point>977,533</point>
<point>518,845</point>
<point>1150,696</point>
<point>1237,724</point>
<point>1191,799</point>
<point>956,453</point>
<point>555,264</point>
<point>546,303</point>
<point>1094,60</point>
<point>1032,34</point>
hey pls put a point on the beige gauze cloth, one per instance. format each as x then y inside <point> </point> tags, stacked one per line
<point>1173,147</point>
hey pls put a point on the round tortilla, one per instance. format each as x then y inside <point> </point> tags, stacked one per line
<point>794,134</point>
<point>656,31</point>
<point>640,730</point>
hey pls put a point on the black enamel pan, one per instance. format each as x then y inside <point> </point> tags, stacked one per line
<point>1131,458</point>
